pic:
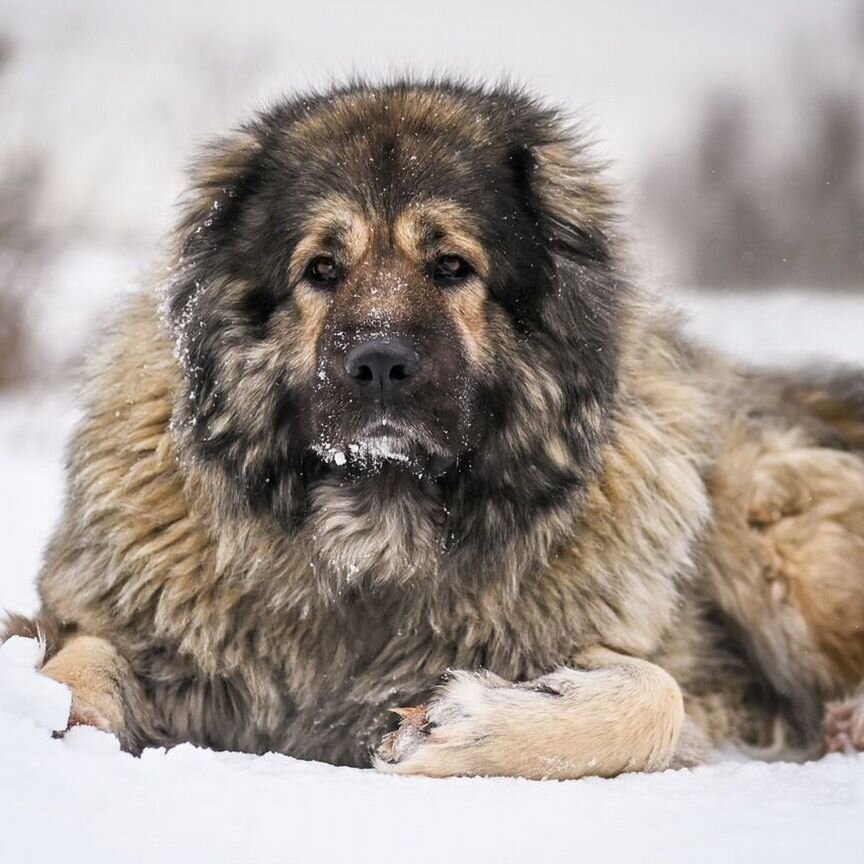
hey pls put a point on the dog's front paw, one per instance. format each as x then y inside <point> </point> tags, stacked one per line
<point>613,715</point>
<point>83,713</point>
<point>451,735</point>
<point>481,725</point>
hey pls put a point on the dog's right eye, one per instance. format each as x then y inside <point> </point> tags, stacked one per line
<point>323,271</point>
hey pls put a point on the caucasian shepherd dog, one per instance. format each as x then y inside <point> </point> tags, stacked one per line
<point>397,434</point>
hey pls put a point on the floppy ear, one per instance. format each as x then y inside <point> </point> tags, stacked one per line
<point>573,203</point>
<point>222,176</point>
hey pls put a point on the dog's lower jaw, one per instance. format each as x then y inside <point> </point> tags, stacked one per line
<point>614,714</point>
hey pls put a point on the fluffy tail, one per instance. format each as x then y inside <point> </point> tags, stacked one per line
<point>43,628</point>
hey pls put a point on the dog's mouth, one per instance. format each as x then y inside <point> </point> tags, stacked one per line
<point>386,443</point>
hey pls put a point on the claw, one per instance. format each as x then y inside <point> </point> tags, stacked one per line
<point>412,731</point>
<point>415,717</point>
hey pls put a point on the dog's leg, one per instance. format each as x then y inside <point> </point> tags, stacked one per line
<point>806,507</point>
<point>788,567</point>
<point>612,714</point>
<point>105,692</point>
<point>95,673</point>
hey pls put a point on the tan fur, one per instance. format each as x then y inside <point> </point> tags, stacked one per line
<point>468,309</point>
<point>312,306</point>
<point>335,213</point>
<point>457,229</point>
<point>800,509</point>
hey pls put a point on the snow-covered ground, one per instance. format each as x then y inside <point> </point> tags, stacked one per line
<point>80,799</point>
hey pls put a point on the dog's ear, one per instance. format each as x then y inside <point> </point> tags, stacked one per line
<point>572,203</point>
<point>225,173</point>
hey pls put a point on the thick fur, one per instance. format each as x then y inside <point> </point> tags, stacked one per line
<point>592,524</point>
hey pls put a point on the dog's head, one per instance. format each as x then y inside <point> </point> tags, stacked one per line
<point>408,277</point>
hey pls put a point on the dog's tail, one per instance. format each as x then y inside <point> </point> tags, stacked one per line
<point>44,628</point>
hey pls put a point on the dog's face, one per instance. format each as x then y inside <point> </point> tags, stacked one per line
<point>383,279</point>
<point>394,295</point>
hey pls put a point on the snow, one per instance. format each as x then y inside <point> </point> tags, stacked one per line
<point>367,452</point>
<point>79,798</point>
<point>783,326</point>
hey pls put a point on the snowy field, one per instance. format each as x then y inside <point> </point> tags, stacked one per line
<point>80,799</point>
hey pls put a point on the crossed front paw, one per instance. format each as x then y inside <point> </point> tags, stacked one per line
<point>568,724</point>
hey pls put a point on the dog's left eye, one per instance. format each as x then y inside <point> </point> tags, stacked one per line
<point>452,268</point>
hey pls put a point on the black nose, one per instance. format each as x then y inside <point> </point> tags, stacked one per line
<point>381,367</point>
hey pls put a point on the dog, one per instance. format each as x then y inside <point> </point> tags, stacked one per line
<point>395,465</point>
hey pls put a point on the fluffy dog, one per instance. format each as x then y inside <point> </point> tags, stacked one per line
<point>397,432</point>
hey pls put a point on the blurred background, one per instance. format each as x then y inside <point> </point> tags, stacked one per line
<point>734,130</point>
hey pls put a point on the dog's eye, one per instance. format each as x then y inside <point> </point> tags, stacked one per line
<point>322,270</point>
<point>452,268</point>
